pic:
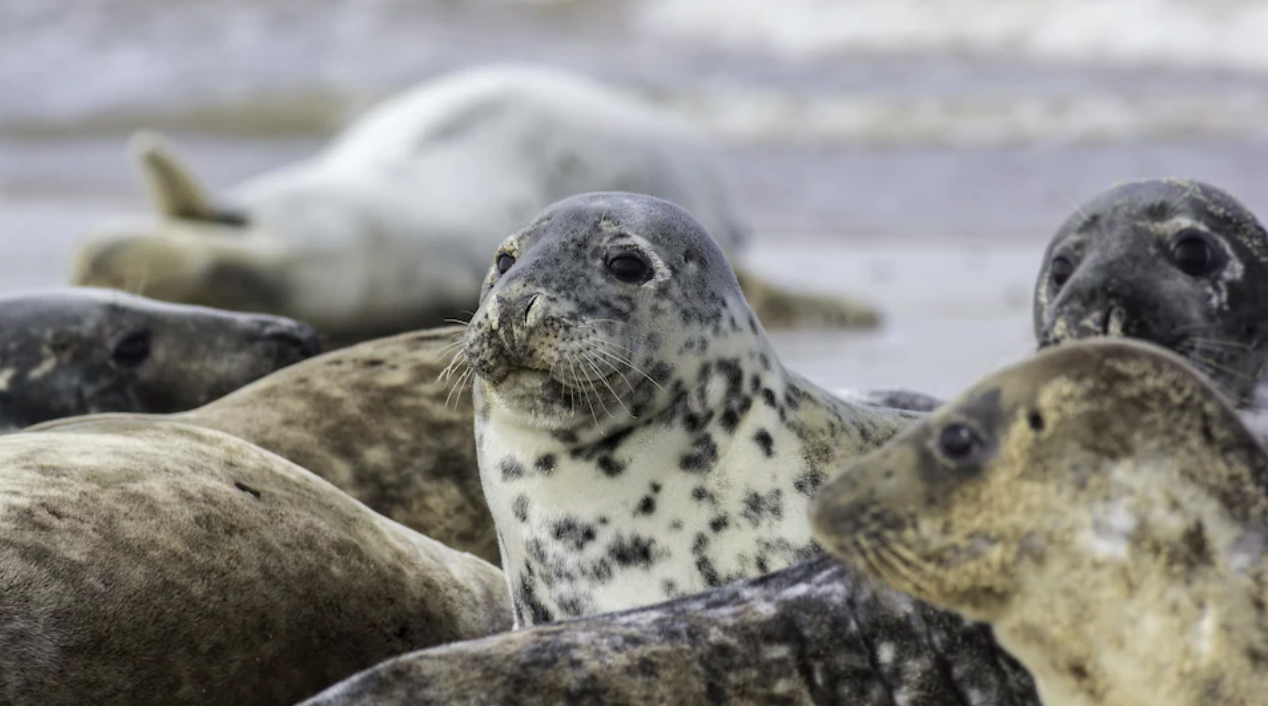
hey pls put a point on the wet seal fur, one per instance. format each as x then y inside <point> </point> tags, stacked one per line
<point>79,350</point>
<point>160,563</point>
<point>638,438</point>
<point>815,633</point>
<point>378,422</point>
<point>388,228</point>
<point>1100,505</point>
<point>1177,262</point>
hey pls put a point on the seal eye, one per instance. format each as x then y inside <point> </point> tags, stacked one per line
<point>957,441</point>
<point>629,268</point>
<point>1060,270</point>
<point>132,351</point>
<point>504,263</point>
<point>1193,255</point>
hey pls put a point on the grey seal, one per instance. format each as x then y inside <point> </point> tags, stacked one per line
<point>380,422</point>
<point>73,351</point>
<point>638,438</point>
<point>388,228</point>
<point>1100,505</point>
<point>160,563</point>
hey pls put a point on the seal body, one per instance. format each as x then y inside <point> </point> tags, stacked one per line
<point>1176,262</point>
<point>637,436</point>
<point>388,229</point>
<point>380,422</point>
<point>1100,505</point>
<point>814,634</point>
<point>73,351</point>
<point>159,563</point>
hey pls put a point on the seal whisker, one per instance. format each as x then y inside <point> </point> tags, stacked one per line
<point>614,369</point>
<point>458,322</point>
<point>463,381</point>
<point>1222,368</point>
<point>590,361</point>
<point>584,361</point>
<point>573,367</point>
<point>602,351</point>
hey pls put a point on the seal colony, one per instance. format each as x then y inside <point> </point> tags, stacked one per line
<point>375,420</point>
<point>388,229</point>
<point>637,436</point>
<point>815,633</point>
<point>156,563</point>
<point>73,351</point>
<point>1100,505</point>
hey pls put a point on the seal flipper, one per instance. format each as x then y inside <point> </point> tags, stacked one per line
<point>173,189</point>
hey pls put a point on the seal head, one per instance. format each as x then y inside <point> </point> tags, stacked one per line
<point>78,351</point>
<point>1096,503</point>
<point>1176,262</point>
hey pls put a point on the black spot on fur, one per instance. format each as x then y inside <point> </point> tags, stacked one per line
<point>655,487</point>
<point>372,362</point>
<point>764,440</point>
<point>719,523</point>
<point>634,551</point>
<point>511,469</point>
<point>520,508</point>
<point>807,483</point>
<point>546,464</point>
<point>646,506</point>
<point>704,452</point>
<point>526,595</point>
<point>248,490</point>
<point>610,466</point>
<point>768,396</point>
<point>707,571</point>
<point>1036,420</point>
<point>701,493</point>
<point>577,534</point>
<point>701,543</point>
<point>730,419</point>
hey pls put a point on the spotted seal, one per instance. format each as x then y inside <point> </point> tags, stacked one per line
<point>1100,505</point>
<point>815,633</point>
<point>638,438</point>
<point>156,563</point>
<point>78,350</point>
<point>389,227</point>
<point>379,421</point>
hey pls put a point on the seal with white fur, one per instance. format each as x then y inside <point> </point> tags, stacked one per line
<point>1100,505</point>
<point>154,563</point>
<point>388,228</point>
<point>79,350</point>
<point>638,438</point>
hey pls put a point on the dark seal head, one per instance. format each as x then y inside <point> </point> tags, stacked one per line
<point>76,351</point>
<point>592,313</point>
<point>1094,503</point>
<point>1176,262</point>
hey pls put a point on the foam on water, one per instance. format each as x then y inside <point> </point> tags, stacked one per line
<point>1223,34</point>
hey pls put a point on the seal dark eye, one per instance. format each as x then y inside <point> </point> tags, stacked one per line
<point>132,351</point>
<point>630,268</point>
<point>957,441</point>
<point>504,263</point>
<point>1060,270</point>
<point>1193,255</point>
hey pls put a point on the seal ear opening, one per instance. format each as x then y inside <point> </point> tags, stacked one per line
<point>171,186</point>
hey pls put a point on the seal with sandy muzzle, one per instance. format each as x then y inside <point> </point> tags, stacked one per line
<point>79,350</point>
<point>149,563</point>
<point>378,421</point>
<point>638,438</point>
<point>388,228</point>
<point>1100,505</point>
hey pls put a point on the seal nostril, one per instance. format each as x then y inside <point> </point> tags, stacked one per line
<point>528,305</point>
<point>302,340</point>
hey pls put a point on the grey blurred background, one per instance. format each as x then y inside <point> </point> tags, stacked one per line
<point>914,153</point>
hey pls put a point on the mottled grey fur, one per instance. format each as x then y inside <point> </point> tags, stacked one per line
<point>156,563</point>
<point>378,421</point>
<point>1125,282</point>
<point>60,354</point>
<point>639,441</point>
<point>815,633</point>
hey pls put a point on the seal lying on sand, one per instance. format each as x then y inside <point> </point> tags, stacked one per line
<point>376,421</point>
<point>638,437</point>
<point>1100,505</point>
<point>810,634</point>
<point>159,563</point>
<point>73,351</point>
<point>388,229</point>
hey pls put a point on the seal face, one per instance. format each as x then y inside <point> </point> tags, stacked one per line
<point>1176,262</point>
<point>1100,504</point>
<point>76,351</point>
<point>637,437</point>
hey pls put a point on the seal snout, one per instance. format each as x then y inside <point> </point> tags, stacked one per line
<point>293,340</point>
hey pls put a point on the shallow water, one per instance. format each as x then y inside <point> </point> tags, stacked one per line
<point>920,165</point>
